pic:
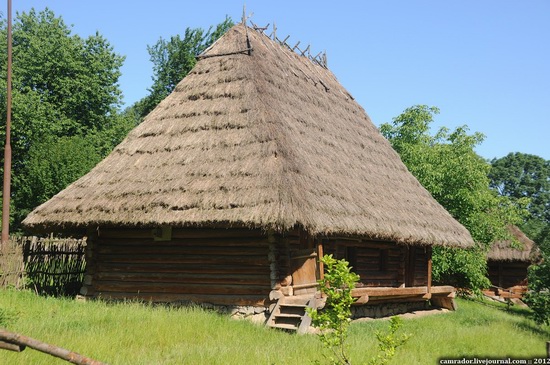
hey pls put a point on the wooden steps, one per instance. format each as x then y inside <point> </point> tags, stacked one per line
<point>290,314</point>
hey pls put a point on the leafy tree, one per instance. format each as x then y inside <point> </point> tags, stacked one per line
<point>75,78</point>
<point>52,165</point>
<point>538,296</point>
<point>65,100</point>
<point>447,165</point>
<point>524,176</point>
<point>173,59</point>
<point>519,176</point>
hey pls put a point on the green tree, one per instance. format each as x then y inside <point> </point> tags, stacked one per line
<point>65,91</point>
<point>173,59</point>
<point>524,176</point>
<point>519,176</point>
<point>538,296</point>
<point>52,165</point>
<point>447,165</point>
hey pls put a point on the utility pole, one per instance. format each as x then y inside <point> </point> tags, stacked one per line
<point>7,148</point>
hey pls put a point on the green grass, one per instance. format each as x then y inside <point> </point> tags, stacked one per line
<point>134,333</point>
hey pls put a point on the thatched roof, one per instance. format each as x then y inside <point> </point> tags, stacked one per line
<point>524,250</point>
<point>267,139</point>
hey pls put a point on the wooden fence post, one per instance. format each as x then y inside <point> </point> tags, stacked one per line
<point>72,357</point>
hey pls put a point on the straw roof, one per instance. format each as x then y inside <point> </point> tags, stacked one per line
<point>262,139</point>
<point>526,251</point>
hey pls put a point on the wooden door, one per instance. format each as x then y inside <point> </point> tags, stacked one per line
<point>305,271</point>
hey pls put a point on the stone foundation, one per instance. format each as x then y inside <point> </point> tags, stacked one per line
<point>260,314</point>
<point>251,313</point>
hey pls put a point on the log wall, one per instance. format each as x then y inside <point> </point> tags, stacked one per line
<point>383,264</point>
<point>377,263</point>
<point>506,274</point>
<point>219,266</point>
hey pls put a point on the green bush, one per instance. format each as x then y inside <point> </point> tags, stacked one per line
<point>334,319</point>
<point>538,296</point>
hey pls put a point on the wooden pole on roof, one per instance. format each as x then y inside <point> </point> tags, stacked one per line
<point>6,192</point>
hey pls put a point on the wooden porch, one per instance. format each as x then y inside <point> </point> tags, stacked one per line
<point>440,296</point>
<point>389,273</point>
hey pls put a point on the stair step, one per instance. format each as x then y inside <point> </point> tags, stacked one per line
<point>300,300</point>
<point>288,315</point>
<point>285,326</point>
<point>300,311</point>
<point>293,305</point>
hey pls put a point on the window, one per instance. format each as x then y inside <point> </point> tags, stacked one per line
<point>351,256</point>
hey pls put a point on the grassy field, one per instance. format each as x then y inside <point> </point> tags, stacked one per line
<point>133,333</point>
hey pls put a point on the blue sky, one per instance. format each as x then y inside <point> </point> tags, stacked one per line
<point>485,64</point>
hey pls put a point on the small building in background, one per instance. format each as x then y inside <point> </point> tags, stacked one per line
<point>508,262</point>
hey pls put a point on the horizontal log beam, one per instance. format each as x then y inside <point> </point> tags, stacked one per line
<point>388,292</point>
<point>175,288</point>
<point>305,286</point>
<point>183,259</point>
<point>199,242</point>
<point>226,269</point>
<point>443,289</point>
<point>181,250</point>
<point>185,278</point>
<point>398,299</point>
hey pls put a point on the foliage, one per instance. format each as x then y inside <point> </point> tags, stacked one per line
<point>65,102</point>
<point>462,268</point>
<point>173,59</point>
<point>388,342</point>
<point>519,175</point>
<point>74,78</point>
<point>538,296</point>
<point>53,164</point>
<point>334,319</point>
<point>523,176</point>
<point>447,165</point>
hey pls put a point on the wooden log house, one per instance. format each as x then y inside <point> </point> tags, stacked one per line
<point>508,263</point>
<point>235,184</point>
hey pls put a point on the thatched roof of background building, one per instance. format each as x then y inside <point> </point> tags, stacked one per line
<point>267,139</point>
<point>523,250</point>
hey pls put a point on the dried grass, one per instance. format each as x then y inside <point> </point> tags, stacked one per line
<point>268,140</point>
<point>506,250</point>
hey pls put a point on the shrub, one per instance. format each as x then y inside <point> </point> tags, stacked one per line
<point>334,319</point>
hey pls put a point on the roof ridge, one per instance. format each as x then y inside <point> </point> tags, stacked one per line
<point>319,59</point>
